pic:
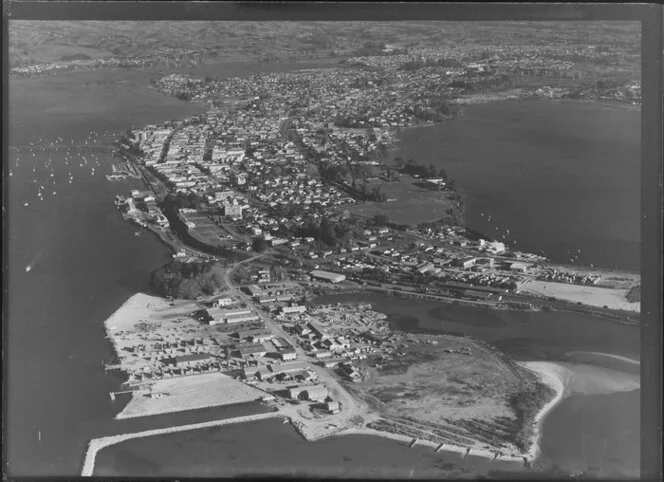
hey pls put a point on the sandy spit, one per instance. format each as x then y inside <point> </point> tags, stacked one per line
<point>558,378</point>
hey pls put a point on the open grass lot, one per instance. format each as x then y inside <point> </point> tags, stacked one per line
<point>431,384</point>
<point>413,205</point>
<point>447,389</point>
<point>208,232</point>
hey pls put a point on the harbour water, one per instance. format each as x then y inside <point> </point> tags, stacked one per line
<point>271,448</point>
<point>85,261</point>
<point>562,176</point>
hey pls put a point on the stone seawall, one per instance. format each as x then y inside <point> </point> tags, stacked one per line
<point>98,444</point>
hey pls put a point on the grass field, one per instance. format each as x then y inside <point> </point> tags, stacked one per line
<point>413,204</point>
<point>431,384</point>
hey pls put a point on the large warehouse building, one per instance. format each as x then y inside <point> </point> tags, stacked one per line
<point>328,276</point>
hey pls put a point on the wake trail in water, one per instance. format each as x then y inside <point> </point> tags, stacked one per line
<point>607,355</point>
<point>35,259</point>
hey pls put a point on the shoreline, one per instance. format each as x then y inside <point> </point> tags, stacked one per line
<point>474,451</point>
<point>556,377</point>
<point>137,305</point>
<point>553,374</point>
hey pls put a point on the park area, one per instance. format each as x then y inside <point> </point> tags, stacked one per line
<point>409,202</point>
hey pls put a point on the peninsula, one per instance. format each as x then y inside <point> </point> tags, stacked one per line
<point>287,189</point>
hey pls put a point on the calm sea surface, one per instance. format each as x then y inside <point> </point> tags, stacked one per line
<point>561,176</point>
<point>86,261</point>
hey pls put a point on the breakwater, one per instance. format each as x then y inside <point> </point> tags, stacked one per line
<point>98,444</point>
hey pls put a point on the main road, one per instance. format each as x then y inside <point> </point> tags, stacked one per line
<point>349,406</point>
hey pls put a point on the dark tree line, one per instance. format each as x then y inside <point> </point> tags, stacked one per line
<point>425,172</point>
<point>526,405</point>
<point>187,280</point>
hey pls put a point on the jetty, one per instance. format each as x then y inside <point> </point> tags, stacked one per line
<point>114,394</point>
<point>97,444</point>
<point>123,170</point>
<point>412,443</point>
<point>439,448</point>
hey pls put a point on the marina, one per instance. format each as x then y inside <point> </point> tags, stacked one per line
<point>53,162</point>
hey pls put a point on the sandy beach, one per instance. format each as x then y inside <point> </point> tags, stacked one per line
<point>143,307</point>
<point>578,378</point>
<point>588,295</point>
<point>558,378</point>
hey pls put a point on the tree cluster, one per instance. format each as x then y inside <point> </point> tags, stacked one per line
<point>187,280</point>
<point>526,405</point>
<point>173,203</point>
<point>329,232</point>
<point>425,172</point>
<point>374,194</point>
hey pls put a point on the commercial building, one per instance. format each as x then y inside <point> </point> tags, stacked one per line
<point>424,267</point>
<point>332,362</point>
<point>520,267</point>
<point>224,302</point>
<point>288,367</point>
<point>495,247</point>
<point>252,373</point>
<point>302,329</point>
<point>288,354</point>
<point>466,262</point>
<point>490,262</point>
<point>293,309</point>
<point>241,318</point>
<point>327,276</point>
<point>255,349</point>
<point>255,336</point>
<point>192,360</point>
<point>216,316</point>
<point>318,331</point>
<point>314,393</point>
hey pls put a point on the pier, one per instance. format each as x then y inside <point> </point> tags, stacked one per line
<point>98,444</point>
<point>439,448</point>
<point>114,394</point>
<point>412,443</point>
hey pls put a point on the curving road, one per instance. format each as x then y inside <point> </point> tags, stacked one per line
<point>349,406</point>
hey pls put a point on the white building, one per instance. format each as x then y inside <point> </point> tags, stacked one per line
<point>293,309</point>
<point>233,209</point>
<point>495,247</point>
<point>327,276</point>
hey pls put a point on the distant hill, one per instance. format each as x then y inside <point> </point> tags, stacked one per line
<point>33,42</point>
